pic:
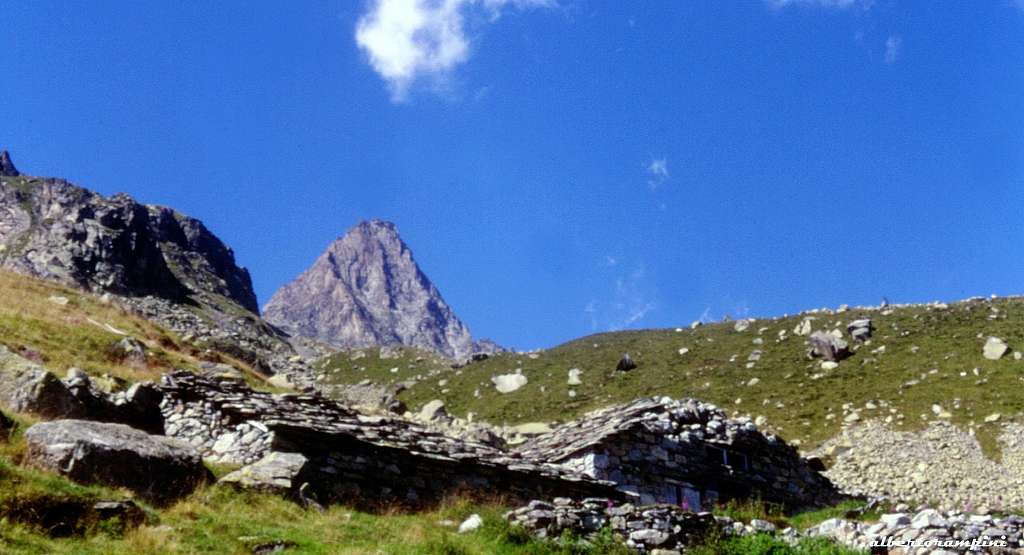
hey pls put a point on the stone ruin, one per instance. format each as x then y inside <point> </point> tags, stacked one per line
<point>684,453</point>
<point>345,455</point>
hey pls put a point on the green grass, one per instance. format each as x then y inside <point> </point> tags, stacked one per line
<point>794,403</point>
<point>218,520</point>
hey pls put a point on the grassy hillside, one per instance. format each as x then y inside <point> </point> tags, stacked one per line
<point>60,327</point>
<point>919,356</point>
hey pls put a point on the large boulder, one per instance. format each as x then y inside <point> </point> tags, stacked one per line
<point>625,363</point>
<point>994,348</point>
<point>157,468</point>
<point>828,346</point>
<point>860,330</point>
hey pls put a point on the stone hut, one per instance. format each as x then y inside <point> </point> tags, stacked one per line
<point>349,455</point>
<point>682,452</point>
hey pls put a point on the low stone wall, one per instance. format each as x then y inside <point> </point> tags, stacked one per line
<point>644,528</point>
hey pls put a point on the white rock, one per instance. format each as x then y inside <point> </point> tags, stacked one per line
<point>470,524</point>
<point>928,518</point>
<point>994,348</point>
<point>507,383</point>
<point>741,325</point>
<point>994,417</point>
<point>829,365</point>
<point>574,376</point>
<point>58,300</point>
<point>683,351</point>
<point>753,382</point>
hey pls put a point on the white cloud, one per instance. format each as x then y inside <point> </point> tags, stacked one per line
<point>892,48</point>
<point>657,172</point>
<point>406,40</point>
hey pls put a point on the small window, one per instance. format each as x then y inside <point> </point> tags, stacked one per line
<point>717,455</point>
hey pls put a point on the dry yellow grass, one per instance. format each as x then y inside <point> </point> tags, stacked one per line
<point>83,332</point>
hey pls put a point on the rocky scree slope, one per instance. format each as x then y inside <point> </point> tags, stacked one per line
<point>365,290</point>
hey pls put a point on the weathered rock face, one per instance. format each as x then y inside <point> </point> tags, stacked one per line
<point>367,290</point>
<point>53,229</point>
<point>157,468</point>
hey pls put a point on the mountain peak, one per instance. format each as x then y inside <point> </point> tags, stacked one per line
<point>366,290</point>
<point>7,168</point>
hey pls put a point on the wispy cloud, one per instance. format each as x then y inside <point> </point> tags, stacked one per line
<point>406,40</point>
<point>631,301</point>
<point>657,172</point>
<point>893,45</point>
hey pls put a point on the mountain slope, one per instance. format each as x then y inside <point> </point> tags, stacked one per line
<point>918,356</point>
<point>160,263</point>
<point>366,289</point>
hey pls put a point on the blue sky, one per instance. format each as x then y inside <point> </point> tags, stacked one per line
<point>558,167</point>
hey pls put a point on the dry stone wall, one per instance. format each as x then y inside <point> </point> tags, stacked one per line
<point>348,454</point>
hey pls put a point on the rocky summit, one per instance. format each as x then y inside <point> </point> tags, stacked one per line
<point>364,290</point>
<point>56,230</point>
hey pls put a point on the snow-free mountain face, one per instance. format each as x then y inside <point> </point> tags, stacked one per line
<point>366,289</point>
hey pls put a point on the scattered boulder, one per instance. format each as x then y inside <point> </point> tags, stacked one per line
<point>742,325</point>
<point>804,327</point>
<point>434,411</point>
<point>471,524</point>
<point>574,377</point>
<point>860,330</point>
<point>625,363</point>
<point>828,346</point>
<point>507,383</point>
<point>994,348</point>
<point>156,468</point>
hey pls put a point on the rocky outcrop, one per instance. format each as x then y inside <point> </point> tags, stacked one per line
<point>156,468</point>
<point>364,290</point>
<point>7,168</point>
<point>155,261</point>
<point>52,229</point>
